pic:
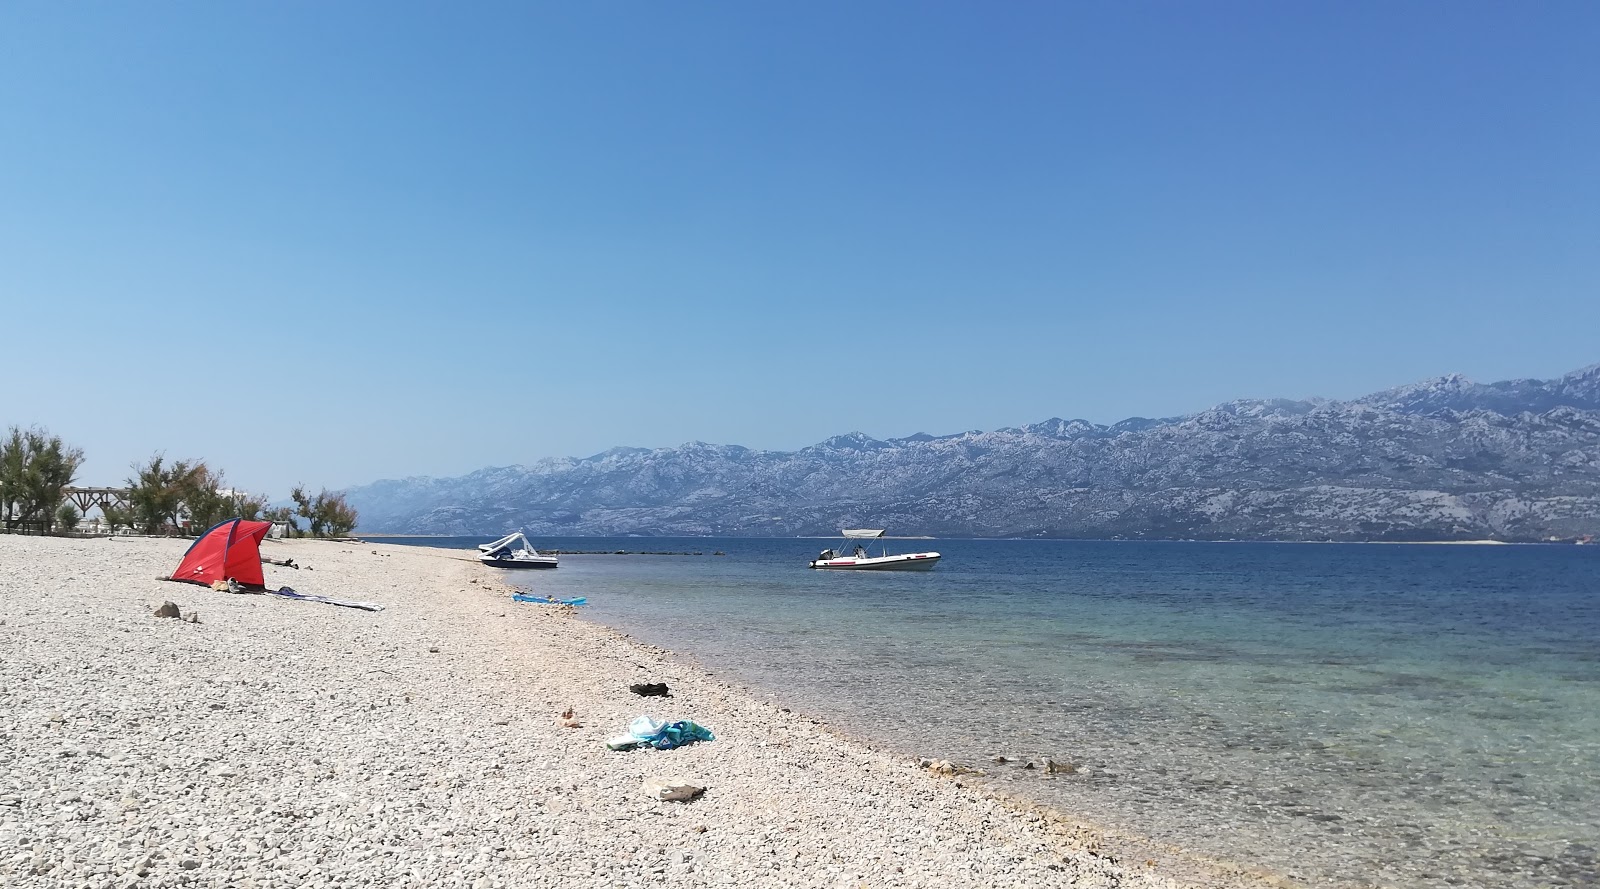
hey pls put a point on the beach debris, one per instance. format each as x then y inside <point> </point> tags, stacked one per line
<point>644,731</point>
<point>433,649</point>
<point>945,767</point>
<point>285,563</point>
<point>167,609</point>
<point>1051,767</point>
<point>650,689</point>
<point>569,718</point>
<point>672,789</point>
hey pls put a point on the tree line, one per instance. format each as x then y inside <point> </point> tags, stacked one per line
<point>164,497</point>
<point>34,467</point>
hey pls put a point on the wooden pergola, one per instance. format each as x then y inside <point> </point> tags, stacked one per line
<point>88,498</point>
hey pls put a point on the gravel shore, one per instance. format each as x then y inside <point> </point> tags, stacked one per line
<point>283,744</point>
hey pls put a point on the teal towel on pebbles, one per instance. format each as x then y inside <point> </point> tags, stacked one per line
<point>647,732</point>
<point>546,600</point>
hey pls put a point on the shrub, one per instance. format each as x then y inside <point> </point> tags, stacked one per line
<point>67,517</point>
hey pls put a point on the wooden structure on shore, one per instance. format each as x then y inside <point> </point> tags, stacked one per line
<point>89,498</point>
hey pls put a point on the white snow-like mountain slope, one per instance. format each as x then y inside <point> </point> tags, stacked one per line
<point>1444,458</point>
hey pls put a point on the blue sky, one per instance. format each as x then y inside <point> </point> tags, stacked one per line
<point>333,243</point>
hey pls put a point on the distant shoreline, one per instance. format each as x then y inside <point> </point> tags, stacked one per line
<point>1484,542</point>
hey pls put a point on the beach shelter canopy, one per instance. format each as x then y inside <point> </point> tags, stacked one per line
<point>230,549</point>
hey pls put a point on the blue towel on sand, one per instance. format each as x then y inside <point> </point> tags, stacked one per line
<point>546,600</point>
<point>647,732</point>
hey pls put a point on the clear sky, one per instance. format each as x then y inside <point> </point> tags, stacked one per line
<point>338,242</point>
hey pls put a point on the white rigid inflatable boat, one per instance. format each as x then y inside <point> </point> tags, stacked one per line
<point>514,551</point>
<point>859,559</point>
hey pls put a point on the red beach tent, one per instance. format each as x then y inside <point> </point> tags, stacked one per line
<point>230,549</point>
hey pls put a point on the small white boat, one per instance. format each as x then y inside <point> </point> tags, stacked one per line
<point>859,559</point>
<point>514,551</point>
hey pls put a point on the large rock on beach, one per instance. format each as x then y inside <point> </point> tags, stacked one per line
<point>673,789</point>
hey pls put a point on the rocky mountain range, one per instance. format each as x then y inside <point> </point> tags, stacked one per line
<point>1446,458</point>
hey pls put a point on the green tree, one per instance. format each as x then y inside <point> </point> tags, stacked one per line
<point>67,517</point>
<point>13,460</point>
<point>250,507</point>
<point>338,517</point>
<point>116,518</point>
<point>306,508</point>
<point>156,492</point>
<point>164,495</point>
<point>201,492</point>
<point>327,513</point>
<point>34,467</point>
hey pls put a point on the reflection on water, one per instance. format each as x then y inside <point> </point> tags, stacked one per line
<point>1405,715</point>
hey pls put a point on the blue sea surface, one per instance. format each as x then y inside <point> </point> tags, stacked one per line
<point>1350,715</point>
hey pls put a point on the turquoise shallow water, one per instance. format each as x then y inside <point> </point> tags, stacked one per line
<point>1347,714</point>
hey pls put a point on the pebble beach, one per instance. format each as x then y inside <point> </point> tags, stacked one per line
<point>278,743</point>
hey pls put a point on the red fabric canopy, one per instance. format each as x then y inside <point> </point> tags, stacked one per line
<point>230,549</point>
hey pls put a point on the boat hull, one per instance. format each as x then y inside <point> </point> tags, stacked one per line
<point>541,562</point>
<point>908,562</point>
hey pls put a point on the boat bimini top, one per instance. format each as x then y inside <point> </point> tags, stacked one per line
<point>505,542</point>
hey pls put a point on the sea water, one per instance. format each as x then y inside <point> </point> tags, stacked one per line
<point>1346,714</point>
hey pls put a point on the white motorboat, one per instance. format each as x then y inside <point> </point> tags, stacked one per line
<point>859,559</point>
<point>514,551</point>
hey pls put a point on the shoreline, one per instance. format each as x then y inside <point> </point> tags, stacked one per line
<point>1186,867</point>
<point>279,743</point>
<point>381,538</point>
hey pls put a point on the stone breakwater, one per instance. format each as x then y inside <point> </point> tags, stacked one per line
<point>277,743</point>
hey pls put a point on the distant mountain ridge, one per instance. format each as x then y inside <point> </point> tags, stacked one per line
<point>1445,458</point>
